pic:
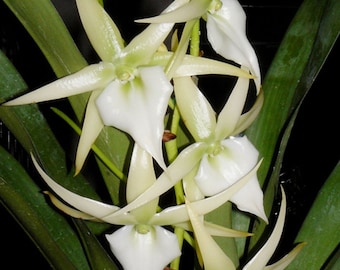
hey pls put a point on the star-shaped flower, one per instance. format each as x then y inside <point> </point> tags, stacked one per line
<point>226,158</point>
<point>226,29</point>
<point>142,236</point>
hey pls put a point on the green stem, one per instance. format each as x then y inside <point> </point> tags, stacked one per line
<point>195,40</point>
<point>95,149</point>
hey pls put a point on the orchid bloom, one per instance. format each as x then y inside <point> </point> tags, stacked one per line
<point>142,236</point>
<point>226,29</point>
<point>130,90</point>
<point>227,156</point>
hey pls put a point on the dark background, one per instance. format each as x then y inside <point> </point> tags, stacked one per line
<point>314,146</point>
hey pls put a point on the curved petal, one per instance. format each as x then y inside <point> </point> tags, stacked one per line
<point>197,113</point>
<point>89,78</point>
<point>248,118</point>
<point>236,157</point>
<point>178,214</point>
<point>232,110</point>
<point>138,107</point>
<point>184,162</point>
<point>262,257</point>
<point>213,256</point>
<point>287,259</point>
<point>219,171</point>
<point>92,126</point>
<point>152,250</point>
<point>193,65</point>
<point>141,48</point>
<point>141,177</point>
<point>100,29</point>
<point>191,10</point>
<point>227,34</point>
<point>86,205</point>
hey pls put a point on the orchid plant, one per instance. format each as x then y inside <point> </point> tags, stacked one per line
<point>179,173</point>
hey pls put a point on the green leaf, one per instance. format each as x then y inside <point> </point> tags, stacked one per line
<point>298,61</point>
<point>49,231</point>
<point>61,52</point>
<point>320,229</point>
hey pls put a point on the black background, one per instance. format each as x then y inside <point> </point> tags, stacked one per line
<point>313,149</point>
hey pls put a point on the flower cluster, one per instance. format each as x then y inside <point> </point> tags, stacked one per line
<point>133,89</point>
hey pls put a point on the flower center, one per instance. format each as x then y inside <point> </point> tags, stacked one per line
<point>215,6</point>
<point>125,74</point>
<point>143,228</point>
<point>215,148</point>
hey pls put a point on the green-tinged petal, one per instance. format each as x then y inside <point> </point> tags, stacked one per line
<point>151,249</point>
<point>196,111</point>
<point>178,214</point>
<point>141,177</point>
<point>262,257</point>
<point>287,259</point>
<point>232,110</point>
<point>191,10</point>
<point>92,126</point>
<point>226,30</point>
<point>69,210</point>
<point>213,256</point>
<point>185,161</point>
<point>89,78</point>
<point>100,29</point>
<point>191,190</point>
<point>91,207</point>
<point>138,107</point>
<point>142,47</point>
<point>248,118</point>
<point>215,230</point>
<point>193,65</point>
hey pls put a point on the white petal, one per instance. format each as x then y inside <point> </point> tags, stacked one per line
<point>191,10</point>
<point>232,110</point>
<point>138,107</point>
<point>227,34</point>
<point>152,250</point>
<point>100,29</point>
<point>89,78</point>
<point>89,206</point>
<point>219,171</point>
<point>141,177</point>
<point>262,257</point>
<point>196,111</point>
<point>92,126</point>
<point>213,256</point>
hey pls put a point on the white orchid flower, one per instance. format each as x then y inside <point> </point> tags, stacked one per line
<point>142,231</point>
<point>123,75</point>
<point>226,158</point>
<point>226,29</point>
<point>129,88</point>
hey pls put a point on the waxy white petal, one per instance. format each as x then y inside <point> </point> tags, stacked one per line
<point>236,157</point>
<point>89,78</point>
<point>193,65</point>
<point>100,29</point>
<point>197,113</point>
<point>89,206</point>
<point>178,214</point>
<point>213,256</point>
<point>185,161</point>
<point>232,110</point>
<point>152,250</point>
<point>226,32</point>
<point>262,257</point>
<point>141,177</point>
<point>191,10</point>
<point>92,126</point>
<point>138,107</point>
